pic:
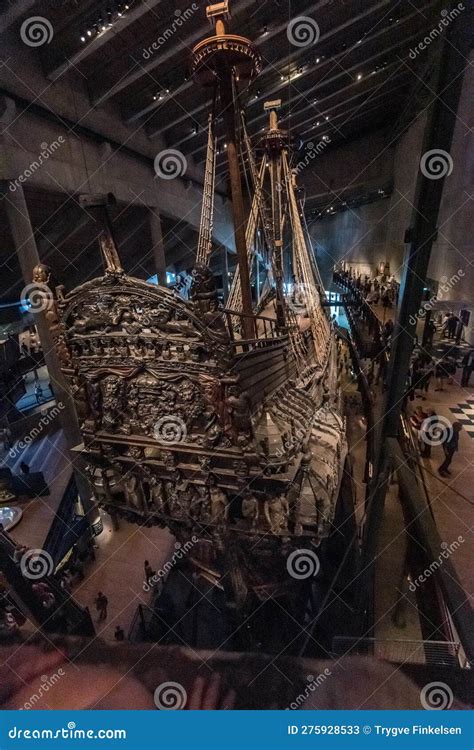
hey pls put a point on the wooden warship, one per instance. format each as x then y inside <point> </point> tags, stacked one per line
<point>221,423</point>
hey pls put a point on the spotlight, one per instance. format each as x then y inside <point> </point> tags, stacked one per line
<point>89,32</point>
<point>83,39</point>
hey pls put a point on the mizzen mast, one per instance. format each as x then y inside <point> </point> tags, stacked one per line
<point>221,61</point>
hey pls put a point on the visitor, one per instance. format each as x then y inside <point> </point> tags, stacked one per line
<point>467,368</point>
<point>452,326</point>
<point>386,301</point>
<point>119,633</point>
<point>101,603</point>
<point>7,438</point>
<point>450,447</point>
<point>425,373</point>
<point>445,324</point>
<point>441,375</point>
<point>38,392</point>
<point>24,468</point>
<point>459,330</point>
<point>430,331</point>
<point>149,572</point>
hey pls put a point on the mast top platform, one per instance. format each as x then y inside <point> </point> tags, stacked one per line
<point>213,55</point>
<point>275,139</point>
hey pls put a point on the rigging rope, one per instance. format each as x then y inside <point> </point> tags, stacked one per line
<point>319,323</point>
<point>204,247</point>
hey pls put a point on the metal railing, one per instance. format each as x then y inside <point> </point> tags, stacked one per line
<point>266,331</point>
<point>441,653</point>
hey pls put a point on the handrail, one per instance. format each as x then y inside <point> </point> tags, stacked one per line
<point>248,315</point>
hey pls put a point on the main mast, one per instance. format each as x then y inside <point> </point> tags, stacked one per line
<point>222,60</point>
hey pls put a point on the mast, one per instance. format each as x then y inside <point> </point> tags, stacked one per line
<point>274,142</point>
<point>220,60</point>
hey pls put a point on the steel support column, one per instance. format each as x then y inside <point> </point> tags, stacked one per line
<point>420,237</point>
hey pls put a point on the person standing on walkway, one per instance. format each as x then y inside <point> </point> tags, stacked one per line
<point>467,368</point>
<point>119,633</point>
<point>149,572</point>
<point>429,333</point>
<point>450,447</point>
<point>101,603</point>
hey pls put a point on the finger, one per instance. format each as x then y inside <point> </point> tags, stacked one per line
<point>229,701</point>
<point>197,690</point>
<point>211,696</point>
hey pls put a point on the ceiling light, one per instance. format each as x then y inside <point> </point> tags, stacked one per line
<point>83,39</point>
<point>89,32</point>
<point>359,76</point>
